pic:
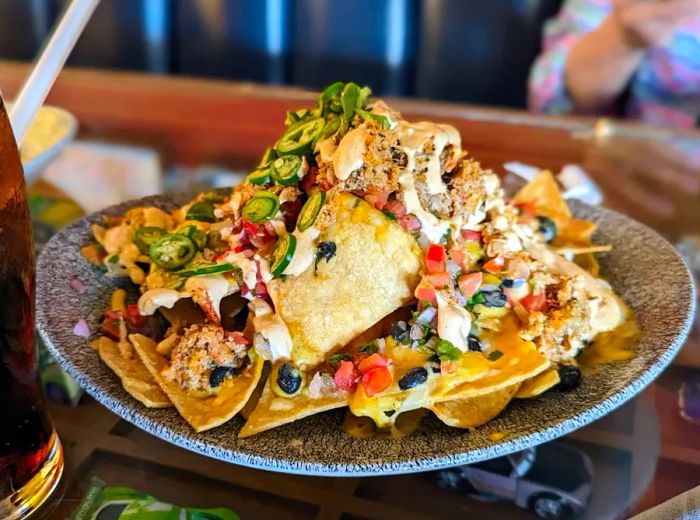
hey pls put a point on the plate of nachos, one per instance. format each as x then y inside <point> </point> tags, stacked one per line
<point>368,300</point>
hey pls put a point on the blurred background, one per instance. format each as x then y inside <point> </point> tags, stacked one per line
<point>472,51</point>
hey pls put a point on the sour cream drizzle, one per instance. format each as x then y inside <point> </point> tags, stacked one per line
<point>273,328</point>
<point>303,254</point>
<point>454,323</point>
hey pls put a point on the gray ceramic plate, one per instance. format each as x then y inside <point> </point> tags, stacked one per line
<point>643,268</point>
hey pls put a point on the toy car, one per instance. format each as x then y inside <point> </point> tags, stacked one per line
<point>553,481</point>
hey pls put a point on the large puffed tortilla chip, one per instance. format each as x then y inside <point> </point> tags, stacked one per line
<point>375,270</point>
<point>470,412</point>
<point>135,377</point>
<point>201,412</point>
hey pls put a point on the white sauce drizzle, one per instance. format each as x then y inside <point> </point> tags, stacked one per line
<point>273,328</point>
<point>303,254</point>
<point>349,156</point>
<point>454,323</point>
<point>216,289</point>
<point>151,300</point>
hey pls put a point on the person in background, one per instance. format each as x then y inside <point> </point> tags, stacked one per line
<point>635,58</point>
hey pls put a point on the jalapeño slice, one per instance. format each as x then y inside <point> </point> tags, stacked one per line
<point>298,140</point>
<point>206,269</point>
<point>145,236</point>
<point>287,170</point>
<point>308,213</point>
<point>202,211</point>
<point>172,251</point>
<point>262,207</point>
<point>282,253</point>
<point>260,176</point>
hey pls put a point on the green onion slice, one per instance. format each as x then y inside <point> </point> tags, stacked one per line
<point>145,236</point>
<point>262,207</point>
<point>310,210</point>
<point>172,251</point>
<point>202,211</point>
<point>282,253</point>
<point>287,170</point>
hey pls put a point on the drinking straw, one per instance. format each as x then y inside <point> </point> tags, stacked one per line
<point>50,62</point>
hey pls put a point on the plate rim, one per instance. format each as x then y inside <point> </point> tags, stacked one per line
<point>136,416</point>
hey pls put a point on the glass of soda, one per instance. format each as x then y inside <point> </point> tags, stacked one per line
<point>31,457</point>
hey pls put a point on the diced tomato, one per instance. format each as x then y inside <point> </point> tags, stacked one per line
<point>469,284</point>
<point>410,222</point>
<point>396,207</point>
<point>471,236</point>
<point>111,314</point>
<point>458,255</point>
<point>372,362</point>
<point>535,302</point>
<point>250,228</point>
<point>377,198</point>
<point>110,328</point>
<point>528,208</point>
<point>426,293</point>
<point>440,280</point>
<point>494,266</point>
<point>435,258</point>
<point>376,380</point>
<point>449,367</point>
<point>346,376</point>
<point>134,316</point>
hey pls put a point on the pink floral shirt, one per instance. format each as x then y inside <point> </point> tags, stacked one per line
<point>664,91</point>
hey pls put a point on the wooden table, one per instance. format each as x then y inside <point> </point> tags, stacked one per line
<point>644,452</point>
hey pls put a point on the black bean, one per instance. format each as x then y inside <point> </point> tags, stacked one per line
<point>326,250</point>
<point>494,299</point>
<point>547,227</point>
<point>473,343</point>
<point>389,413</point>
<point>434,364</point>
<point>288,378</point>
<point>218,374</point>
<point>414,377</point>
<point>569,377</point>
<point>399,332</point>
<point>513,283</point>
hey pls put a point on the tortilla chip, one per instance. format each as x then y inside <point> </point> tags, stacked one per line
<point>588,263</point>
<point>471,412</point>
<point>544,193</point>
<point>574,231</point>
<point>375,270</point>
<point>201,412</point>
<point>580,250</point>
<point>538,384</point>
<point>135,378</point>
<point>273,411</point>
<point>184,313</point>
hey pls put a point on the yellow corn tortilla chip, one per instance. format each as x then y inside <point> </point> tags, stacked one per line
<point>184,313</point>
<point>580,250</point>
<point>574,231</point>
<point>538,384</point>
<point>544,193</point>
<point>471,412</point>
<point>135,377</point>
<point>201,412</point>
<point>588,262</point>
<point>273,411</point>
<point>375,270</point>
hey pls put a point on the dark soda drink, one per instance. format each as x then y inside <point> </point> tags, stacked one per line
<point>30,453</point>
